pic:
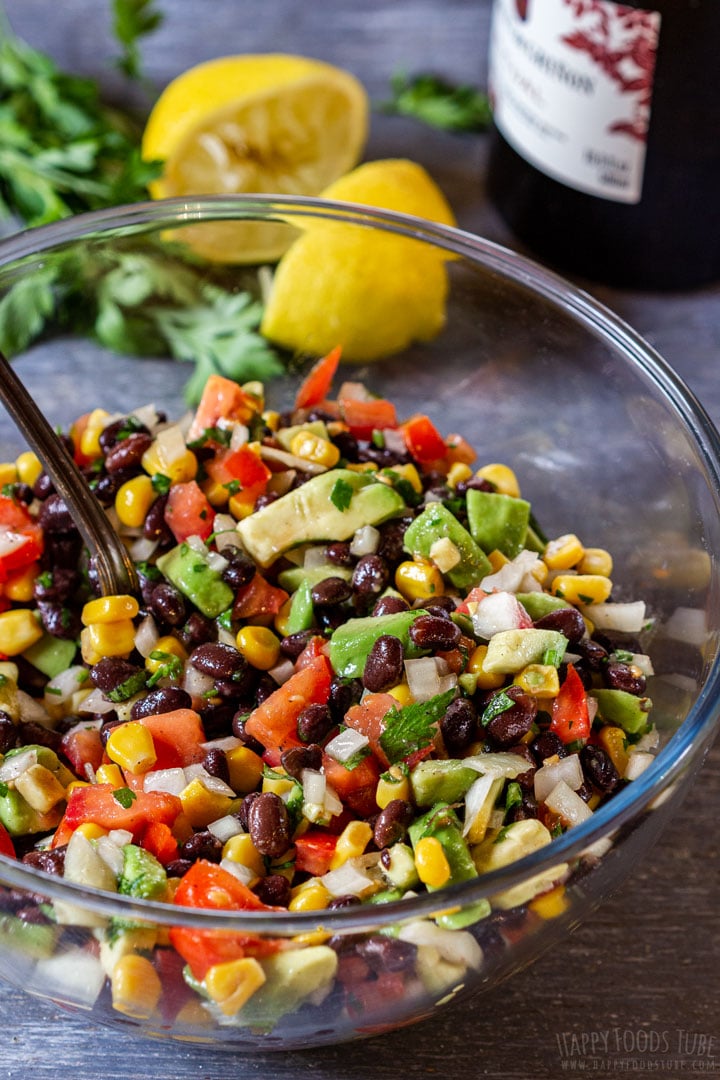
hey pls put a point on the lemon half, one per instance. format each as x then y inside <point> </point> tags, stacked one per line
<point>273,123</point>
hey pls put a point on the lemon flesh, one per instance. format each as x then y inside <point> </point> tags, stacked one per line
<point>371,292</point>
<point>274,123</point>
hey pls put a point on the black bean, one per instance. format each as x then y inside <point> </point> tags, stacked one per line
<point>198,630</point>
<point>239,571</point>
<point>62,550</point>
<point>511,724</point>
<point>329,619</point>
<point>155,527</point>
<point>343,695</point>
<point>167,603</point>
<point>8,733</point>
<point>58,584</point>
<point>265,499</point>
<point>30,678</point>
<point>383,457</point>
<point>384,664</point>
<point>314,723</point>
<point>592,653</point>
<point>390,605</point>
<point>218,660</point>
<point>178,867</point>
<point>215,762</point>
<point>547,744</point>
<point>217,719</point>
<point>567,621</point>
<point>528,808</point>
<point>59,620</point>
<point>30,732</point>
<point>331,591</point>
<point>444,604</point>
<point>269,824</point>
<point>128,453</point>
<point>111,672</point>
<point>391,540</point>
<point>619,676</point>
<point>370,575</point>
<point>43,487</point>
<point>161,699</point>
<point>347,445</point>
<point>22,493</point>
<point>525,779</point>
<point>476,483</point>
<point>598,767</point>
<point>110,721</point>
<point>242,813</point>
<point>33,915</point>
<point>120,431</point>
<point>582,669</point>
<point>238,730</point>
<point>202,845</point>
<point>585,791</point>
<point>50,861</point>
<point>339,554</point>
<point>388,954</point>
<point>292,645</point>
<point>298,758</point>
<point>264,687</point>
<point>434,632</point>
<point>273,890</point>
<point>55,515</point>
<point>340,902</point>
<point>459,726</point>
<point>391,824</point>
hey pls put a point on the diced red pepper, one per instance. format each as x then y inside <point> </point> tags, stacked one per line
<point>356,787</point>
<point>258,597</point>
<point>222,399</point>
<point>364,417</point>
<point>177,736</point>
<point>243,465</point>
<point>188,512</point>
<point>21,538</point>
<point>158,839</point>
<point>313,649</point>
<point>97,803</point>
<point>316,384</point>
<point>423,439</point>
<point>274,722</point>
<point>6,845</point>
<point>570,716</point>
<point>458,449</point>
<point>314,851</point>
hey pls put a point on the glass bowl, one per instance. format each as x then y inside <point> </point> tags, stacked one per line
<point>608,444</point>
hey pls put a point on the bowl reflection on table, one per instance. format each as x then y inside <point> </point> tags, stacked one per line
<point>608,444</point>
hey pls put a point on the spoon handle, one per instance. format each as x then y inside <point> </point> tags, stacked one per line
<point>115,569</point>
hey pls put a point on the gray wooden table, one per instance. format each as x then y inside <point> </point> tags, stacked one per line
<point>644,969</point>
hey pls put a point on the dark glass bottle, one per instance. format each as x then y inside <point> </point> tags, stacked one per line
<point>605,158</point>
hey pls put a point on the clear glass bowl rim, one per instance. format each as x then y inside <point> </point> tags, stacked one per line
<point>690,741</point>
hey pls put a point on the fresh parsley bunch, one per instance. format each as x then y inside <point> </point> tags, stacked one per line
<point>438,103</point>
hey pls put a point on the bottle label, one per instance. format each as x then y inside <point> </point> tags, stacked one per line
<point>571,86</point>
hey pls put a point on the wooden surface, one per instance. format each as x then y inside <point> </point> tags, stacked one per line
<point>643,971</point>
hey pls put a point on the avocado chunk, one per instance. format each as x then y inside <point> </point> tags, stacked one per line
<point>539,604</point>
<point>509,651</point>
<point>16,813</point>
<point>301,610</point>
<point>399,868</point>
<point>189,571</point>
<point>441,781</point>
<point>308,514</point>
<point>292,578</point>
<point>291,978</point>
<point>51,655</point>
<point>142,874</point>
<point>442,822</point>
<point>437,523</point>
<point>286,435</point>
<point>498,522</point>
<point>626,710</point>
<point>351,643</point>
<point>34,940</point>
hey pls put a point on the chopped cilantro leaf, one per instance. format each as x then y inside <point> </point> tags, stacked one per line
<point>498,703</point>
<point>341,494</point>
<point>125,796</point>
<point>412,727</point>
<point>161,483</point>
<point>3,790</point>
<point>513,795</point>
<point>232,487</point>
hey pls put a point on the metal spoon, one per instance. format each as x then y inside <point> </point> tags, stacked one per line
<point>115,569</point>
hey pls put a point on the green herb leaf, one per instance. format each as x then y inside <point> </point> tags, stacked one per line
<point>498,703</point>
<point>171,667</point>
<point>438,103</point>
<point>133,19</point>
<point>513,795</point>
<point>161,483</point>
<point>131,686</point>
<point>4,789</point>
<point>413,727</point>
<point>341,494</point>
<point>125,796</point>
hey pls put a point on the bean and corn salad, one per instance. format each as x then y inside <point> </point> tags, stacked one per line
<point>357,670</point>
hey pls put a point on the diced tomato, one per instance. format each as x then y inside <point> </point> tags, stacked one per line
<point>364,417</point>
<point>372,995</point>
<point>356,787</point>
<point>458,449</point>
<point>158,839</point>
<point>21,538</point>
<point>423,439</point>
<point>6,845</point>
<point>316,384</point>
<point>222,399</point>
<point>82,746</point>
<point>243,465</point>
<point>570,716</point>
<point>314,648</point>
<point>258,597</point>
<point>274,722</point>
<point>368,717</point>
<point>188,512</point>
<point>98,804</point>
<point>314,851</point>
<point>177,736</point>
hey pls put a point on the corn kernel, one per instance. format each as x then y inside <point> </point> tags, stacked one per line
<point>131,747</point>
<point>28,467</point>
<point>596,561</point>
<point>312,447</point>
<point>279,784</point>
<point>133,500</point>
<point>109,609</point>
<point>110,774</point>
<point>419,580</point>
<point>497,560</point>
<point>563,553</point>
<point>241,505</point>
<point>310,896</point>
<point>19,629</point>
<point>314,937</point>
<point>408,472</point>
<point>362,466</point>
<point>281,620</point>
<point>201,806</point>
<point>271,419</point>
<point>502,478</point>
<point>614,742</point>
<point>394,784</point>
<point>19,586</point>
<point>486,680</point>
<point>550,905</point>
<point>164,647</point>
<point>232,984</point>
<point>255,389</point>
<point>180,470</point>
<point>401,693</point>
<point>76,783</point>
<point>245,768</point>
<point>539,570</point>
<point>351,843</point>
<point>259,646</point>
<point>240,849</point>
<point>91,831</point>
<point>431,862</point>
<point>458,473</point>
<point>445,554</point>
<point>106,639</point>
<point>40,788</point>
<point>581,588</point>
<point>539,680</point>
<point>90,438</point>
<point>215,492</point>
<point>8,473</point>
<point>136,987</point>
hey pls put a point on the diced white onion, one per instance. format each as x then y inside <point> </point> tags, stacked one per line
<point>225,531</point>
<point>426,678</point>
<point>365,541</point>
<point>226,637</point>
<point>142,549</point>
<point>85,725</point>
<point>394,440</point>
<point>332,803</point>
<point>455,946</point>
<point>497,612</point>
<point>10,541</point>
<point>565,802</point>
<point>30,709</point>
<point>273,456</point>
<point>567,769</point>
<point>171,444</point>
<point>314,556</point>
<point>111,854</point>
<point>354,391</point>
<point>240,435</point>
<point>347,880</point>
<point>510,576</point>
<point>217,562</point>
<point>314,787</point>
<point>628,618</point>
<point>282,671</point>
<point>345,744</point>
<point>649,741</point>
<point>225,827</point>
<point>147,415</point>
<point>208,781</point>
<point>592,708</point>
<point>76,977</point>
<point>196,683</point>
<point>96,702</point>
<point>62,687</point>
<point>120,837</point>
<point>14,766</point>
<point>227,742</point>
<point>239,870</point>
<point>475,797</point>
<point>637,763</point>
<point>444,554</point>
<point>197,544</point>
<point>147,636</point>
<point>502,763</point>
<point>643,662</point>
<point>688,624</point>
<point>172,781</point>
